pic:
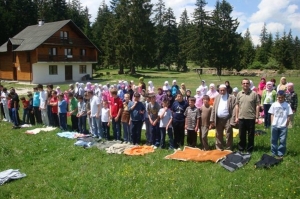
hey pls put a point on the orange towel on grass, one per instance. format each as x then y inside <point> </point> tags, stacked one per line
<point>139,150</point>
<point>195,154</point>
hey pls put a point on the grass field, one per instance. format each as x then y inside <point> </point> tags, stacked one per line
<point>56,168</point>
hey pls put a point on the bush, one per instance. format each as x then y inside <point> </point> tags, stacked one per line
<point>272,64</point>
<point>256,65</point>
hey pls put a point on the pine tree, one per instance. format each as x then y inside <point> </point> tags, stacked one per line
<point>247,50</point>
<point>199,34</point>
<point>183,34</point>
<point>223,50</point>
<point>296,53</point>
<point>171,38</point>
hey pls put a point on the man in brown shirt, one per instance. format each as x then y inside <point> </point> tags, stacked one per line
<point>247,112</point>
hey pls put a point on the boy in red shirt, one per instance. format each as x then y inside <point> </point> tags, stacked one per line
<point>116,108</point>
<point>26,110</point>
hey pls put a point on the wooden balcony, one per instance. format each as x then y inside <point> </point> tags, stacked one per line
<point>68,41</point>
<point>66,58</point>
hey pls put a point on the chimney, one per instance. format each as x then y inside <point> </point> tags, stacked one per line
<point>41,22</point>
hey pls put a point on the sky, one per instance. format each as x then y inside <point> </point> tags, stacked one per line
<point>279,15</point>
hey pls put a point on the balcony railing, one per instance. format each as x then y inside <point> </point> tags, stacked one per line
<point>68,41</point>
<point>66,58</point>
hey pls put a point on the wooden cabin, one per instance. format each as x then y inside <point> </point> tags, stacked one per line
<point>48,53</point>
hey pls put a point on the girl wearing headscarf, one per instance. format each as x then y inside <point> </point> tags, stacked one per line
<point>282,84</point>
<point>142,85</point>
<point>88,86</point>
<point>212,93</point>
<point>261,86</point>
<point>198,97</point>
<point>81,89</point>
<point>291,98</point>
<point>267,99</point>
<point>252,87</point>
<point>183,90</point>
<point>150,87</point>
<point>203,87</point>
<point>228,87</point>
<point>166,87</point>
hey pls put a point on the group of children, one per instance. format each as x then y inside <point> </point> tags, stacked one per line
<point>126,107</point>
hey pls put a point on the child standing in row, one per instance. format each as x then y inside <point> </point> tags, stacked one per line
<point>25,103</point>
<point>62,112</point>
<point>205,122</point>
<point>192,118</point>
<point>165,125</point>
<point>125,119</point>
<point>81,115</point>
<point>280,117</point>
<point>105,118</point>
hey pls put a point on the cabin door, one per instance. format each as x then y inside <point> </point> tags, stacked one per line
<point>68,72</point>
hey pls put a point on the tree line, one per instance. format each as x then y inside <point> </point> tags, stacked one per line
<point>137,33</point>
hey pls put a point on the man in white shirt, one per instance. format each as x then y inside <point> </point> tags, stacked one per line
<point>95,114</point>
<point>222,112</point>
<point>43,104</point>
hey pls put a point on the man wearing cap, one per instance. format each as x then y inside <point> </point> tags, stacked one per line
<point>222,112</point>
<point>247,112</point>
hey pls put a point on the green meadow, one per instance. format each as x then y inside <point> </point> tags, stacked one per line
<point>56,168</point>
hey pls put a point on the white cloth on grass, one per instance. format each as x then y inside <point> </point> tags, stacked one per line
<point>37,130</point>
<point>10,174</point>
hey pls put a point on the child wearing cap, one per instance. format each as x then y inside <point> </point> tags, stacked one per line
<point>280,117</point>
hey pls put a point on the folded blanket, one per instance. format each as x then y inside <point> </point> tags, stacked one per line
<point>38,130</point>
<point>139,150</point>
<point>118,148</point>
<point>195,154</point>
<point>70,135</point>
<point>235,160</point>
<point>10,174</point>
<point>107,144</point>
<point>267,161</point>
<point>212,133</point>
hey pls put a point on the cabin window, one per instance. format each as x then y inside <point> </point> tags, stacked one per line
<point>82,69</point>
<point>52,51</point>
<point>53,70</point>
<point>68,51</point>
<point>64,35</point>
<point>82,52</point>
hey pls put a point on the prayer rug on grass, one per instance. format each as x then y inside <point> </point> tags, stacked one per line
<point>38,130</point>
<point>139,150</point>
<point>235,160</point>
<point>198,155</point>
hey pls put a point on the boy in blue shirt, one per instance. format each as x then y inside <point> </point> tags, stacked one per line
<point>62,112</point>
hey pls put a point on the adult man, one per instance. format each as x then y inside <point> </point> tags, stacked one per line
<point>178,123</point>
<point>222,112</point>
<point>247,112</point>
<point>95,114</point>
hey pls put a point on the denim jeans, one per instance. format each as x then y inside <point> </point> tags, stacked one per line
<point>62,121</point>
<point>14,118</point>
<point>163,137</point>
<point>45,117</point>
<point>136,128</point>
<point>25,118</point>
<point>37,115</point>
<point>267,115</point>
<point>105,130</point>
<point>116,128</point>
<point>49,114</point>
<point>82,124</point>
<point>278,134</point>
<point>126,132</point>
<point>148,131</point>
<point>96,126</point>
<point>155,134</point>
